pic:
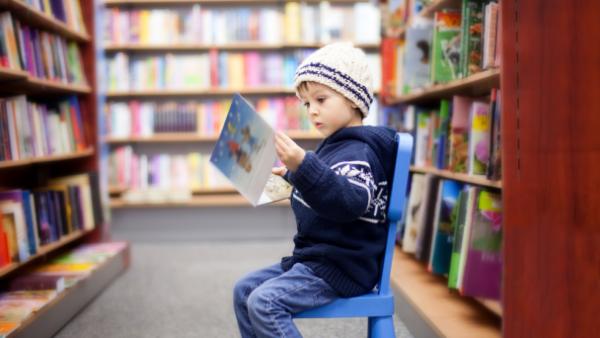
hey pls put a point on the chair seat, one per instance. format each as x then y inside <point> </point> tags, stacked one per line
<point>368,305</point>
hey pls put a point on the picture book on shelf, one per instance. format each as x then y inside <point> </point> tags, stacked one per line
<point>245,154</point>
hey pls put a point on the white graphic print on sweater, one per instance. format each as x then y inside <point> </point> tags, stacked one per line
<point>359,173</point>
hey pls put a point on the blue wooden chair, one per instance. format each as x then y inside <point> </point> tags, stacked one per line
<point>378,305</point>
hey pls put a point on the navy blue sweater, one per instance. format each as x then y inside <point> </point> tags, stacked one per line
<point>340,203</point>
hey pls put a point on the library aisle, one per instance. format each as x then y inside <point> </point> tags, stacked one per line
<point>183,289</point>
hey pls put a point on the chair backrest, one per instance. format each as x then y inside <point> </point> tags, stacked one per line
<point>396,205</point>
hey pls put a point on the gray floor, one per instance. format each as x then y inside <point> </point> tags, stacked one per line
<point>181,289</point>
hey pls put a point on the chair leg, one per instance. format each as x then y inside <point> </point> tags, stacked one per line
<point>381,327</point>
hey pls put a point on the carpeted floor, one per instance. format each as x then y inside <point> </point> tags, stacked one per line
<point>184,290</point>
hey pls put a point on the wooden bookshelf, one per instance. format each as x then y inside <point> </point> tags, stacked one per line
<point>460,177</point>
<point>7,74</point>
<point>34,85</point>
<point>474,85</point>
<point>50,319</point>
<point>32,17</point>
<point>204,47</point>
<point>192,137</point>
<point>43,250</point>
<point>443,313</point>
<point>211,200</point>
<point>46,159</point>
<point>35,172</point>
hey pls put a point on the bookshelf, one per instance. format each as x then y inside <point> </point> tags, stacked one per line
<point>131,47</point>
<point>477,84</point>
<point>550,166</point>
<point>460,177</point>
<point>32,163</point>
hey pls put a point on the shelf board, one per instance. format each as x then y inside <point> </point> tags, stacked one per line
<point>215,2</point>
<point>44,250</point>
<point>23,82</point>
<point>40,86</point>
<point>446,313</point>
<point>52,317</point>
<point>46,159</point>
<point>118,190</point>
<point>32,17</point>
<point>7,74</point>
<point>461,177</point>
<point>474,85</point>
<point>191,137</point>
<point>219,200</point>
<point>200,92</point>
<point>438,5</point>
<point>129,47</point>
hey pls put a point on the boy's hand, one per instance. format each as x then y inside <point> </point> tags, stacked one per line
<point>288,151</point>
<point>279,171</point>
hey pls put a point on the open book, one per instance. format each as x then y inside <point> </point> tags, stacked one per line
<point>245,154</point>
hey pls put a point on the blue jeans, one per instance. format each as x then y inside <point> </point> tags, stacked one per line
<point>265,300</point>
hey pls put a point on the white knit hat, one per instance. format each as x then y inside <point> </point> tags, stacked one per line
<point>343,68</point>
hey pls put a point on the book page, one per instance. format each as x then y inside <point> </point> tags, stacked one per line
<point>245,152</point>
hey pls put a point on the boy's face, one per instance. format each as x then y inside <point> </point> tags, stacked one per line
<point>327,109</point>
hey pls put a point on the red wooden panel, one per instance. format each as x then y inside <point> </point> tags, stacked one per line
<point>551,175</point>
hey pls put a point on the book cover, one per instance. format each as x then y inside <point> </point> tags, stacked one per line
<point>457,242</point>
<point>445,215</point>
<point>459,134</point>
<point>441,149</point>
<point>446,47</point>
<point>494,169</point>
<point>11,207</point>
<point>471,37</point>
<point>417,61</point>
<point>483,267</point>
<point>479,138</point>
<point>37,282</point>
<point>414,213</point>
<point>425,228</point>
<point>245,154</point>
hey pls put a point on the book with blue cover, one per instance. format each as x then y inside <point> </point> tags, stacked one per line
<point>245,154</point>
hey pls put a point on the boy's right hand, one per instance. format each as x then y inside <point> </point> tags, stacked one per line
<point>279,171</point>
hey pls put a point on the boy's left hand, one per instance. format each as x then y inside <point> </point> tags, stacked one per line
<point>288,151</point>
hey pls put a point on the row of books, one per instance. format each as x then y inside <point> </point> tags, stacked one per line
<point>451,47</point>
<point>43,55</point>
<point>67,11</point>
<point>163,172</point>
<point>202,70</point>
<point>28,294</point>
<point>29,129</point>
<point>33,218</point>
<point>209,70</point>
<point>135,118</point>
<point>295,22</point>
<point>457,230</point>
<point>462,136</point>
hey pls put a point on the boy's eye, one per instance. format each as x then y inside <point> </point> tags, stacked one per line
<point>321,99</point>
<point>306,105</point>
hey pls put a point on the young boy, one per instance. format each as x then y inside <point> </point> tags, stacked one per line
<point>339,199</point>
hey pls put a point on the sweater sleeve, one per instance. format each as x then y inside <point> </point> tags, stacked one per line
<point>342,192</point>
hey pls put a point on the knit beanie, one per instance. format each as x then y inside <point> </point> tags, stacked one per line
<point>341,67</point>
